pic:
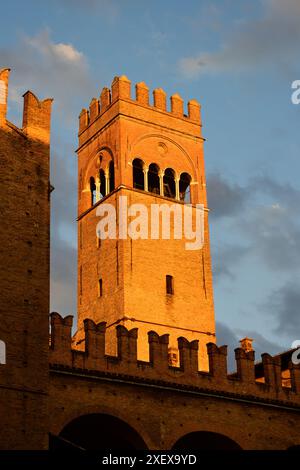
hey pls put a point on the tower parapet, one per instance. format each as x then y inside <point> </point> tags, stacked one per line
<point>36,117</point>
<point>121,90</point>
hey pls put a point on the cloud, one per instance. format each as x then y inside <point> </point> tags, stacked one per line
<point>284,193</point>
<point>270,231</point>
<point>274,234</point>
<point>225,258</point>
<point>58,70</point>
<point>65,53</point>
<point>271,39</point>
<point>224,198</point>
<point>284,304</point>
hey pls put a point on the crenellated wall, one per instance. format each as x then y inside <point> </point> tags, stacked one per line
<point>24,243</point>
<point>121,90</point>
<point>92,357</point>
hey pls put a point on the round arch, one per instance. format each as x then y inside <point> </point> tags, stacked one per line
<point>169,183</point>
<point>138,179</point>
<point>100,431</point>
<point>153,178</point>
<point>185,187</point>
<point>60,421</point>
<point>167,139</point>
<point>205,440</point>
<point>97,160</point>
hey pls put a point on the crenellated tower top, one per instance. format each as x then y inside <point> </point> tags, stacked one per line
<point>121,90</point>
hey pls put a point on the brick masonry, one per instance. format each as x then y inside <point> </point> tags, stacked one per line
<point>121,370</point>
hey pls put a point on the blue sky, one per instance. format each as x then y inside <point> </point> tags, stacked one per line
<point>239,60</point>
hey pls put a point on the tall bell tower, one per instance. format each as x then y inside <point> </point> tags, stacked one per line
<point>152,155</point>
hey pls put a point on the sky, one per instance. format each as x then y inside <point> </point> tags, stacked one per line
<point>239,59</point>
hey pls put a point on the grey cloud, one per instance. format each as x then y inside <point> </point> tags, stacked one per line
<point>283,305</point>
<point>271,39</point>
<point>283,193</point>
<point>224,198</point>
<point>225,258</point>
<point>274,235</point>
<point>270,232</point>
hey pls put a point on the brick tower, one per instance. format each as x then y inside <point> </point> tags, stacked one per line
<point>24,300</point>
<point>129,147</point>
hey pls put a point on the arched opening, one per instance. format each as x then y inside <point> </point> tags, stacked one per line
<point>138,174</point>
<point>100,432</point>
<point>185,188</point>
<point>102,184</point>
<point>153,178</point>
<point>169,183</point>
<point>93,190</point>
<point>203,440</point>
<point>111,176</point>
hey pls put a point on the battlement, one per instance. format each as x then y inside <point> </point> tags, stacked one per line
<point>91,357</point>
<point>121,90</point>
<point>36,113</point>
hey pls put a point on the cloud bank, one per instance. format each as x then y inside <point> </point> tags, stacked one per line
<point>271,39</point>
<point>38,63</point>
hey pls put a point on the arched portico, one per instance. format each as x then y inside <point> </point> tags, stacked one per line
<point>97,431</point>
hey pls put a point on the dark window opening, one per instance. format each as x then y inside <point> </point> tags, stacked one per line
<point>138,174</point>
<point>169,183</point>
<point>102,184</point>
<point>185,188</point>
<point>100,288</point>
<point>153,179</point>
<point>93,190</point>
<point>111,176</point>
<point>169,284</point>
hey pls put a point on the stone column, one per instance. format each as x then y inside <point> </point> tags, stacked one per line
<point>161,182</point>
<point>145,170</point>
<point>97,183</point>
<point>107,182</point>
<point>177,195</point>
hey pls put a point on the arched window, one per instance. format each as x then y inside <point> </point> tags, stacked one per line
<point>153,178</point>
<point>169,183</point>
<point>111,176</point>
<point>102,184</point>
<point>185,188</point>
<point>93,190</point>
<point>138,174</point>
